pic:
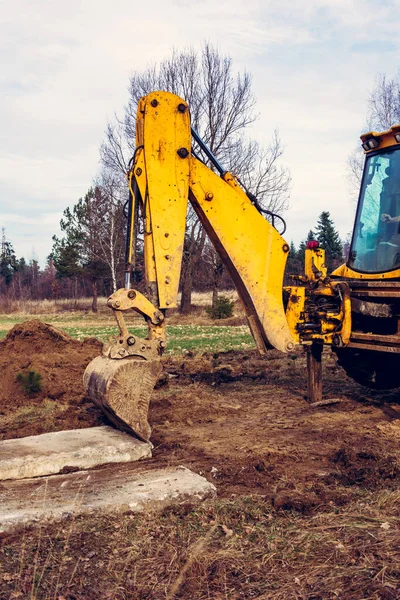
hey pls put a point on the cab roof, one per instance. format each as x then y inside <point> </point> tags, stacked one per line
<point>373,140</point>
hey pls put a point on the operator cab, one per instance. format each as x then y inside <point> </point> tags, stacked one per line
<point>375,247</point>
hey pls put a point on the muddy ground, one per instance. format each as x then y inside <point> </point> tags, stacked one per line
<point>240,419</point>
<point>243,422</point>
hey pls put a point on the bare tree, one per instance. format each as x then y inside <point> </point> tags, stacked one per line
<point>383,112</point>
<point>110,196</point>
<point>116,148</point>
<point>261,172</point>
<point>195,238</point>
<point>92,246</point>
<point>355,163</point>
<point>221,105</point>
<point>384,103</point>
<point>216,266</point>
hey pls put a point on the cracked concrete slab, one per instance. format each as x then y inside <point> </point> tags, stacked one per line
<point>51,453</point>
<point>111,489</point>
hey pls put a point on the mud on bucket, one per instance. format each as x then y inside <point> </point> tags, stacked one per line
<point>122,390</point>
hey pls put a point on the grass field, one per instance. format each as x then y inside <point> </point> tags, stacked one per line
<point>180,338</point>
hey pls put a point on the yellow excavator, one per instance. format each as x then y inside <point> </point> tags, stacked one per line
<point>355,310</point>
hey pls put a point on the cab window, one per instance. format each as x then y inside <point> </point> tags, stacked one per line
<point>376,238</point>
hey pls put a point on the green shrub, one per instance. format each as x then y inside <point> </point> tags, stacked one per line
<point>222,309</point>
<point>31,382</point>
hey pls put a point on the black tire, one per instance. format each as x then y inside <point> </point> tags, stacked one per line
<point>375,370</point>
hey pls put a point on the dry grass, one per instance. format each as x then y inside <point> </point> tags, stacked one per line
<point>65,313</point>
<point>233,549</point>
<point>205,298</point>
<point>46,413</point>
<point>42,307</point>
<point>50,307</point>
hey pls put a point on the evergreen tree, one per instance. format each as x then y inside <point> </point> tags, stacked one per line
<point>22,266</point>
<point>329,239</point>
<point>77,254</point>
<point>8,261</point>
<point>301,252</point>
<point>310,236</point>
<point>293,265</point>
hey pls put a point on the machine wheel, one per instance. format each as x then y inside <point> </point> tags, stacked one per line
<point>375,370</point>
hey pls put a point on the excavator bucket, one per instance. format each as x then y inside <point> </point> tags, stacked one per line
<point>122,390</point>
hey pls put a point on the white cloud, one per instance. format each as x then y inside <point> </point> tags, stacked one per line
<point>66,69</point>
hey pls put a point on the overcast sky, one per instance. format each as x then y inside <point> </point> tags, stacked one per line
<point>66,67</point>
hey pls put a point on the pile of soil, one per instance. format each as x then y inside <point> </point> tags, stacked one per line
<point>60,361</point>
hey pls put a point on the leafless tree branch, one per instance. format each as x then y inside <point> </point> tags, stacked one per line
<point>221,105</point>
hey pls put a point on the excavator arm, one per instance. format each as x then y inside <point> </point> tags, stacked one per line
<point>165,174</point>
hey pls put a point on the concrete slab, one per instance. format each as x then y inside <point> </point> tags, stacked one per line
<point>110,489</point>
<point>51,453</point>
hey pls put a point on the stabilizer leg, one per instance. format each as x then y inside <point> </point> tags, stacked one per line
<point>314,372</point>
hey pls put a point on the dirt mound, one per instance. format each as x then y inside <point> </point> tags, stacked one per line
<point>365,467</point>
<point>58,362</point>
<point>35,332</point>
<point>216,368</point>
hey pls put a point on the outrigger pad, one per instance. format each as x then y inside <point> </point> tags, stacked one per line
<point>122,390</point>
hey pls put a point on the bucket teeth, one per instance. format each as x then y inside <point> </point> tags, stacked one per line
<point>122,390</point>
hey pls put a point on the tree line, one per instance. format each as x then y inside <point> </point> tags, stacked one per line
<point>82,265</point>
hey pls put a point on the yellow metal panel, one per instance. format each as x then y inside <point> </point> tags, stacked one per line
<point>387,139</point>
<point>315,263</point>
<point>295,307</point>
<point>141,181</point>
<point>253,251</point>
<point>346,323</point>
<point>345,271</point>
<point>166,131</point>
<point>150,270</point>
